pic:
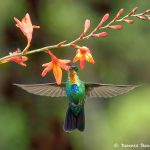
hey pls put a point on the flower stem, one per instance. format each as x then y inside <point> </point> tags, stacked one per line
<point>62,44</point>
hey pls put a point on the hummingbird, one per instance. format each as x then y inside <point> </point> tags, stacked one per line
<point>76,92</point>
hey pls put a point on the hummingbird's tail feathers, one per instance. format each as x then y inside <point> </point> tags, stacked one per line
<point>70,121</point>
<point>81,120</point>
<point>73,121</point>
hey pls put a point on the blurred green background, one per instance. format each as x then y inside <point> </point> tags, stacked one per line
<point>29,122</point>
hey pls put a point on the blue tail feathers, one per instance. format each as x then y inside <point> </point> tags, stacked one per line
<point>73,121</point>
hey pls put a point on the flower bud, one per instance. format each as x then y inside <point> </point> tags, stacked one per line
<point>129,21</point>
<point>115,27</point>
<point>104,19</point>
<point>87,25</point>
<point>133,11</point>
<point>100,35</point>
<point>147,12</point>
<point>120,12</point>
<point>142,17</point>
<point>86,28</point>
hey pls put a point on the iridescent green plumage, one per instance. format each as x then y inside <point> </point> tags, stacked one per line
<point>75,91</point>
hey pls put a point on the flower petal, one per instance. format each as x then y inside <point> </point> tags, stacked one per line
<point>45,65</point>
<point>18,23</point>
<point>82,63</point>
<point>77,57</point>
<point>63,64</point>
<point>89,58</point>
<point>4,61</point>
<point>48,68</point>
<point>54,58</point>
<point>36,27</point>
<point>22,64</point>
<point>57,74</point>
<point>65,61</point>
<point>44,72</point>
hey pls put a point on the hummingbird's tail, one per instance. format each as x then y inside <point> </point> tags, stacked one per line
<point>73,121</point>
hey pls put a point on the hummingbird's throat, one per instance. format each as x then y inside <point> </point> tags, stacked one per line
<point>73,77</point>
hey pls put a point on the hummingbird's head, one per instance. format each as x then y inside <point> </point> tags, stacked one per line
<point>73,68</point>
<point>72,74</point>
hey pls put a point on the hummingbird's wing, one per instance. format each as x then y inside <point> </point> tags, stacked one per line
<point>106,90</point>
<point>48,89</point>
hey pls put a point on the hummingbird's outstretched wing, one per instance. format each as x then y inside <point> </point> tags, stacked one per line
<point>106,90</point>
<point>48,89</point>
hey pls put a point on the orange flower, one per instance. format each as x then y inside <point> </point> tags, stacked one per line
<point>56,65</point>
<point>83,54</point>
<point>18,59</point>
<point>26,27</point>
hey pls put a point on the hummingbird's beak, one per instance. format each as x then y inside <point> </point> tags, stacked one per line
<point>73,68</point>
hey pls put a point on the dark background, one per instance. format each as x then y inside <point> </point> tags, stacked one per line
<point>29,122</point>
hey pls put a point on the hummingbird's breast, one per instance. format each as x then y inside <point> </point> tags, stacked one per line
<point>75,89</point>
<point>75,93</point>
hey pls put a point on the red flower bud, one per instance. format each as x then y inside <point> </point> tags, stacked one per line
<point>119,14</point>
<point>129,21</point>
<point>115,27</point>
<point>104,19</point>
<point>142,17</point>
<point>133,11</point>
<point>101,35</point>
<point>86,27</point>
<point>147,12</point>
